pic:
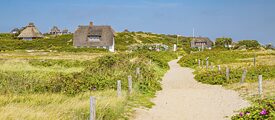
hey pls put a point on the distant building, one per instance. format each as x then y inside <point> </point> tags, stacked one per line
<point>55,31</point>
<point>126,31</point>
<point>95,37</point>
<point>30,32</point>
<point>65,31</point>
<point>201,42</point>
<point>15,31</point>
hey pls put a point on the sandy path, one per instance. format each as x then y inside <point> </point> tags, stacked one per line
<point>183,98</point>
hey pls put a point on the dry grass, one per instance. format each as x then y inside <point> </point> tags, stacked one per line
<point>58,106</point>
<point>23,65</point>
<point>49,55</point>
<point>248,90</point>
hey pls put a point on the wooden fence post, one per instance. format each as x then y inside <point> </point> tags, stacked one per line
<point>92,108</point>
<point>227,73</point>
<point>119,88</point>
<point>130,84</point>
<point>137,71</point>
<point>260,85</point>
<point>243,76</point>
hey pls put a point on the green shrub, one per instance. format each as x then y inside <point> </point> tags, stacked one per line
<point>250,44</point>
<point>261,110</point>
<point>217,77</point>
<point>100,74</point>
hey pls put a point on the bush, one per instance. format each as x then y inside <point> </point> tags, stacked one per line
<point>100,74</point>
<point>249,44</point>
<point>261,110</point>
<point>219,78</point>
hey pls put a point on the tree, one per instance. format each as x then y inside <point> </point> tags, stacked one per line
<point>250,44</point>
<point>269,46</point>
<point>223,42</point>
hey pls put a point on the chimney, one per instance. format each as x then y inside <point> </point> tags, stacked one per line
<point>91,24</point>
<point>31,24</point>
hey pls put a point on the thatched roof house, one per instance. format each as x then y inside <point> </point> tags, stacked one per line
<point>55,31</point>
<point>95,36</point>
<point>126,31</point>
<point>201,42</point>
<point>15,31</point>
<point>65,31</point>
<point>30,32</point>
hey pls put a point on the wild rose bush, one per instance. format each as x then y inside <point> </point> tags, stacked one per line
<point>261,110</point>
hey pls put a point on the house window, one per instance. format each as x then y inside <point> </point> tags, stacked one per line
<point>200,43</point>
<point>94,38</point>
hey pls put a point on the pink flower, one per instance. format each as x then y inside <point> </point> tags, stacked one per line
<point>263,112</point>
<point>247,113</point>
<point>241,114</point>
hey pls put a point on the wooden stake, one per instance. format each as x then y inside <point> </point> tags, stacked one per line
<point>243,76</point>
<point>92,108</point>
<point>260,85</point>
<point>130,84</point>
<point>119,88</point>
<point>227,73</point>
<point>219,67</point>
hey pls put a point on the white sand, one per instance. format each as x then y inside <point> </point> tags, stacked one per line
<point>183,98</point>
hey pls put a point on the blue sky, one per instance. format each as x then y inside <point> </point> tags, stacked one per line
<point>239,19</point>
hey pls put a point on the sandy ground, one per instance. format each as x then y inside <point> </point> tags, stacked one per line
<point>183,98</point>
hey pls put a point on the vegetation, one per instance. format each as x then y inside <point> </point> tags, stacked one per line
<point>222,42</point>
<point>125,39</point>
<point>61,43</point>
<point>249,44</point>
<point>49,79</point>
<point>261,110</point>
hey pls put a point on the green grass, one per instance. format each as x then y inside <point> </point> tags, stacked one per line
<point>43,87</point>
<point>50,79</point>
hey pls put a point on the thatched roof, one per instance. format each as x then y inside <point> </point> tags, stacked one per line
<point>55,30</point>
<point>198,41</point>
<point>126,31</point>
<point>30,32</point>
<point>201,39</point>
<point>65,31</point>
<point>105,33</point>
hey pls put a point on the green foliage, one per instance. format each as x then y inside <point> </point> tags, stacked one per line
<point>6,36</point>
<point>62,63</point>
<point>62,43</point>
<point>100,74</point>
<point>261,110</point>
<point>215,56</point>
<point>124,40</point>
<point>250,44</point>
<point>217,77</point>
<point>221,42</point>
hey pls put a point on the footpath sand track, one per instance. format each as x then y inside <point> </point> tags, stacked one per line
<point>183,98</point>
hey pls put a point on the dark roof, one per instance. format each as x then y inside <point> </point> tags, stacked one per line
<point>196,42</point>
<point>17,30</point>
<point>106,34</point>
<point>65,31</point>
<point>200,39</point>
<point>55,29</point>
